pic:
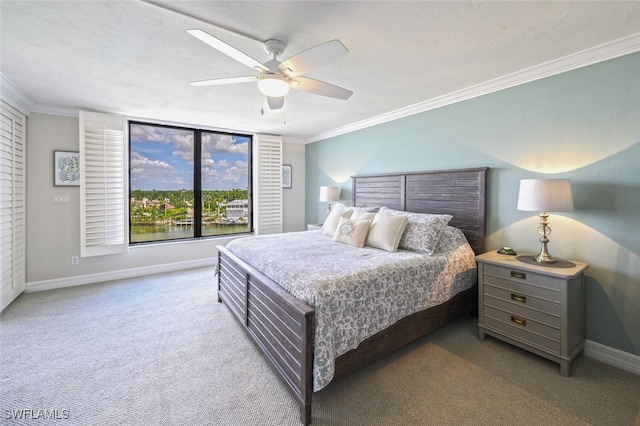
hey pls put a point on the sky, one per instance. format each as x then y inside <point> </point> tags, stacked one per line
<point>162,158</point>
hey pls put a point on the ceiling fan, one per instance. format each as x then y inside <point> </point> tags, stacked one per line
<point>276,78</point>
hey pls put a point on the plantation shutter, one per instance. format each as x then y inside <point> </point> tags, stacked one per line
<point>102,184</point>
<point>12,203</point>
<point>267,214</point>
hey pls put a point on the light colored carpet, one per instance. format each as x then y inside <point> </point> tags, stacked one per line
<point>162,351</point>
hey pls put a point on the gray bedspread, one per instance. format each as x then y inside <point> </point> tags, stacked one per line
<point>357,292</point>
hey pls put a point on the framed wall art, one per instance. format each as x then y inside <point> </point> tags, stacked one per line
<point>66,168</point>
<point>286,176</point>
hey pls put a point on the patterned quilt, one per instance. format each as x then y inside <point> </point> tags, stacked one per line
<point>357,292</point>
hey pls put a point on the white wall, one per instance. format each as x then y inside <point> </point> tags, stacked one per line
<point>293,198</point>
<point>53,230</point>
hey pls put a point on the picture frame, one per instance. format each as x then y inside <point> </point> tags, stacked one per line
<point>66,168</point>
<point>287,176</point>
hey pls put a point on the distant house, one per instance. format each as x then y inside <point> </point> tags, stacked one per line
<point>237,209</point>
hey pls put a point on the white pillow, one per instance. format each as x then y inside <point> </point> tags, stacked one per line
<point>331,222</point>
<point>352,232</point>
<point>385,231</point>
<point>362,215</point>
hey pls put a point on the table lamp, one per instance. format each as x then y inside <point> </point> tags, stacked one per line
<point>328,194</point>
<point>545,195</point>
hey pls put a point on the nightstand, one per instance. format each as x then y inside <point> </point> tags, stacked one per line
<point>537,308</point>
<point>312,226</point>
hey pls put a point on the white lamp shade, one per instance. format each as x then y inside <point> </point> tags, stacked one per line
<point>329,194</point>
<point>273,85</point>
<point>545,195</point>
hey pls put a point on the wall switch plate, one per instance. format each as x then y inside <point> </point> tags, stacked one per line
<point>61,199</point>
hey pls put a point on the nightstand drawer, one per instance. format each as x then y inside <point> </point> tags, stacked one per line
<point>523,295</point>
<point>523,328</point>
<point>523,276</point>
<point>543,318</point>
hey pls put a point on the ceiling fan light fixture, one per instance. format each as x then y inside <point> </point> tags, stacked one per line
<point>273,85</point>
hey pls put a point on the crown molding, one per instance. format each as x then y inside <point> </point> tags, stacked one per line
<point>594,55</point>
<point>56,110</point>
<point>14,96</point>
<point>18,99</point>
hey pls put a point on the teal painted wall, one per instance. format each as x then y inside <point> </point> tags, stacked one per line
<point>583,125</point>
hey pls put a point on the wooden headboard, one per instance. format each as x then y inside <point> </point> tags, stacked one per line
<point>460,193</point>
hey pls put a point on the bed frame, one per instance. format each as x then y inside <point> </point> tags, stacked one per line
<point>282,325</point>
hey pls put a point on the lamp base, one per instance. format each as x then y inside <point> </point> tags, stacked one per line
<point>545,258</point>
<point>544,230</point>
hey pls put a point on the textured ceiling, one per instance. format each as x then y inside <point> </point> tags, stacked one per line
<point>135,58</point>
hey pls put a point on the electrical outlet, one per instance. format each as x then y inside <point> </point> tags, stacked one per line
<point>75,260</point>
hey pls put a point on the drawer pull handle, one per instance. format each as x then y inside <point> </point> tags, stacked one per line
<point>518,298</point>
<point>519,321</point>
<point>521,275</point>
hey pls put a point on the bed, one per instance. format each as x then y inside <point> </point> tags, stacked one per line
<point>284,326</point>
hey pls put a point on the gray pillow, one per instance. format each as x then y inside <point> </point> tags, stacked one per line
<point>423,231</point>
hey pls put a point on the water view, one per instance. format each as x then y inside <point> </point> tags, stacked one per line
<point>167,215</point>
<point>146,233</point>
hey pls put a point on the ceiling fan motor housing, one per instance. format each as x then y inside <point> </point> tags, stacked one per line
<point>274,47</point>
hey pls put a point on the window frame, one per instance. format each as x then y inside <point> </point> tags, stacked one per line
<point>197,181</point>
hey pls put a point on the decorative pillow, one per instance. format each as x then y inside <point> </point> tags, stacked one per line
<point>331,222</point>
<point>385,231</point>
<point>352,232</point>
<point>451,239</point>
<point>362,215</point>
<point>423,230</point>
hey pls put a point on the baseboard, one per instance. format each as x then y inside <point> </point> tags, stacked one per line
<point>611,356</point>
<point>116,275</point>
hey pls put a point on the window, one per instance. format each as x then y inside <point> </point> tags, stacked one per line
<point>187,183</point>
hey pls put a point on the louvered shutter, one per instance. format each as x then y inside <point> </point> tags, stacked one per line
<point>102,184</point>
<point>12,203</point>
<point>267,160</point>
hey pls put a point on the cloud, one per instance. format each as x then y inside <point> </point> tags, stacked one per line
<point>222,143</point>
<point>153,174</point>
<point>180,139</point>
<point>235,176</point>
<point>183,147</point>
<point>222,158</point>
<point>140,164</point>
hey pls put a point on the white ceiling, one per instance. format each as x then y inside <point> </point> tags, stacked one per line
<point>135,58</point>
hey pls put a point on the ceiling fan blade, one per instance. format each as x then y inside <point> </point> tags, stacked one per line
<point>275,103</point>
<point>318,87</point>
<point>227,49</point>
<point>220,81</point>
<point>313,58</point>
